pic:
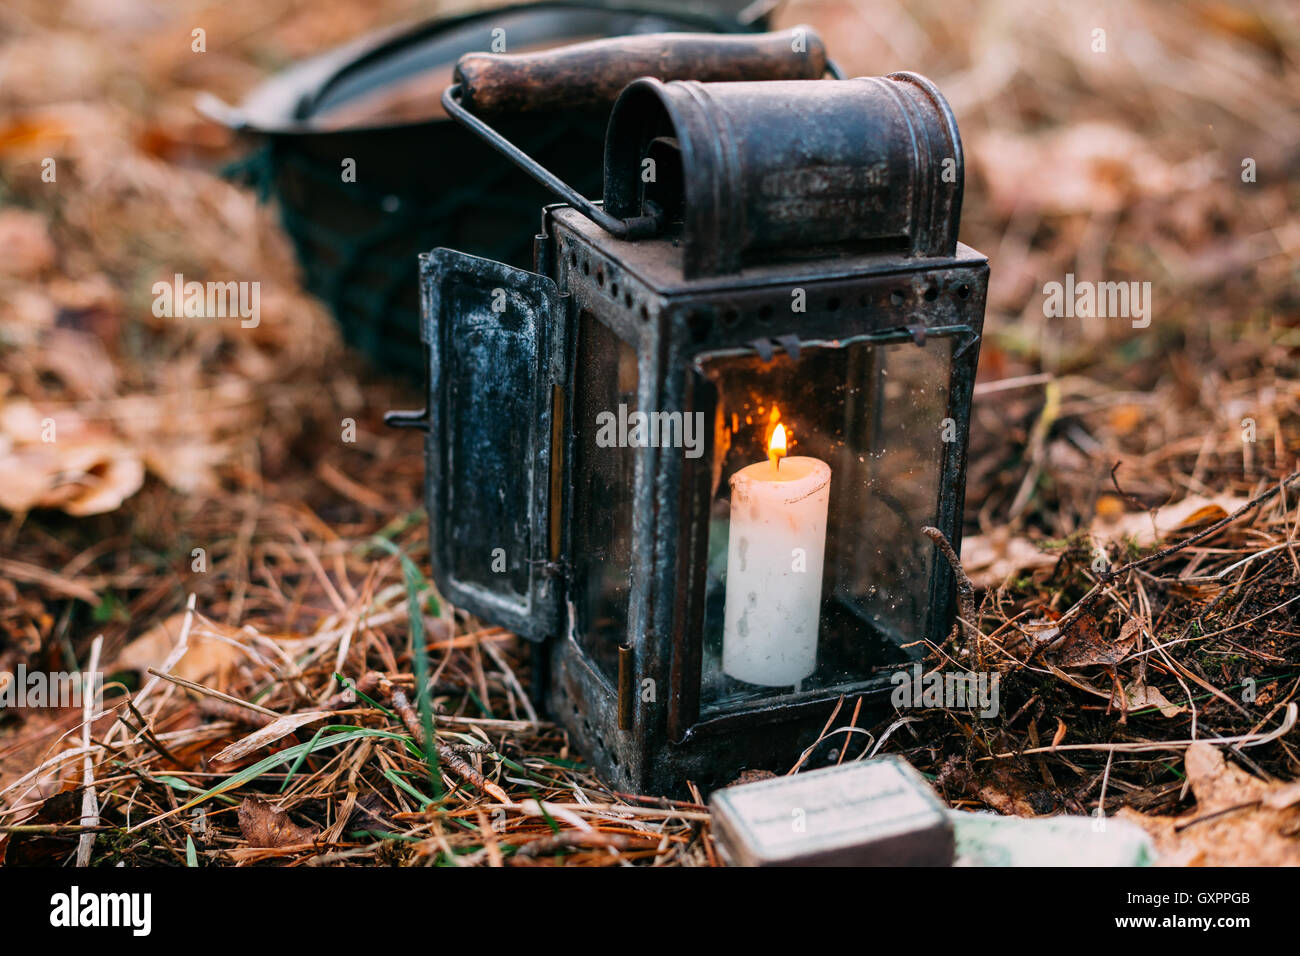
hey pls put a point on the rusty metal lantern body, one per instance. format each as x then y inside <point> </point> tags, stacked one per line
<point>795,244</point>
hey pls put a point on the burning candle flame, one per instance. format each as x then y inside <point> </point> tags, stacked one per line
<point>776,447</point>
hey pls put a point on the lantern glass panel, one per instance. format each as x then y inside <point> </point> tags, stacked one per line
<point>605,479</point>
<point>873,411</point>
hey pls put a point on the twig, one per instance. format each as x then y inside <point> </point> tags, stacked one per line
<point>1105,577</point>
<point>573,838</point>
<point>179,651</point>
<point>239,714</point>
<point>89,802</point>
<point>1114,480</point>
<point>1244,740</point>
<point>1205,818</point>
<point>218,695</point>
<point>145,732</point>
<point>448,757</point>
<point>662,803</point>
<point>965,594</point>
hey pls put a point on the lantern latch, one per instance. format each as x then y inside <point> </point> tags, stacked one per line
<point>418,419</point>
<point>766,348</point>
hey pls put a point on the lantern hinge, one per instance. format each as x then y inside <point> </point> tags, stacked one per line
<point>551,569</point>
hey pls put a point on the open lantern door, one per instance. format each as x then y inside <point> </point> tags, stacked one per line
<point>495,366</point>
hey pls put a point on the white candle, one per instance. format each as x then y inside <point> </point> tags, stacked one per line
<point>775,551</point>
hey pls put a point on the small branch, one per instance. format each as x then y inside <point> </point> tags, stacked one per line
<point>218,695</point>
<point>446,755</point>
<point>1244,740</point>
<point>146,733</point>
<point>177,652</point>
<point>574,838</point>
<point>965,592</point>
<point>1213,529</point>
<point>212,707</point>
<point>1109,575</point>
<point>1205,818</point>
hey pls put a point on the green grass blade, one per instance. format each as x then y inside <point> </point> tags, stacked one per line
<point>420,656</point>
<point>396,780</point>
<point>289,754</point>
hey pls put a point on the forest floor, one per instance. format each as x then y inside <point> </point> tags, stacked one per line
<point>1132,512</point>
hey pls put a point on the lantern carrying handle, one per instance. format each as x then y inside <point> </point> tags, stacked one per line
<point>583,75</point>
<point>591,74</point>
<point>636,227</point>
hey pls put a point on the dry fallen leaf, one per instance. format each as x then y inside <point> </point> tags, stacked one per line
<point>1239,820</point>
<point>1147,529</point>
<point>25,246</point>
<point>187,466</point>
<point>1090,167</point>
<point>1085,647</point>
<point>1110,506</point>
<point>1006,794</point>
<point>78,477</point>
<point>989,560</point>
<point>1124,419</point>
<point>1288,795</point>
<point>1139,696</point>
<point>266,826</point>
<point>205,657</point>
<point>59,460</point>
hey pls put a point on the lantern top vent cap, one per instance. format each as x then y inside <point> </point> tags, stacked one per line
<point>753,171</point>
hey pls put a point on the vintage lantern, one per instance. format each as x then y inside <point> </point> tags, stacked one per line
<point>691,454</point>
